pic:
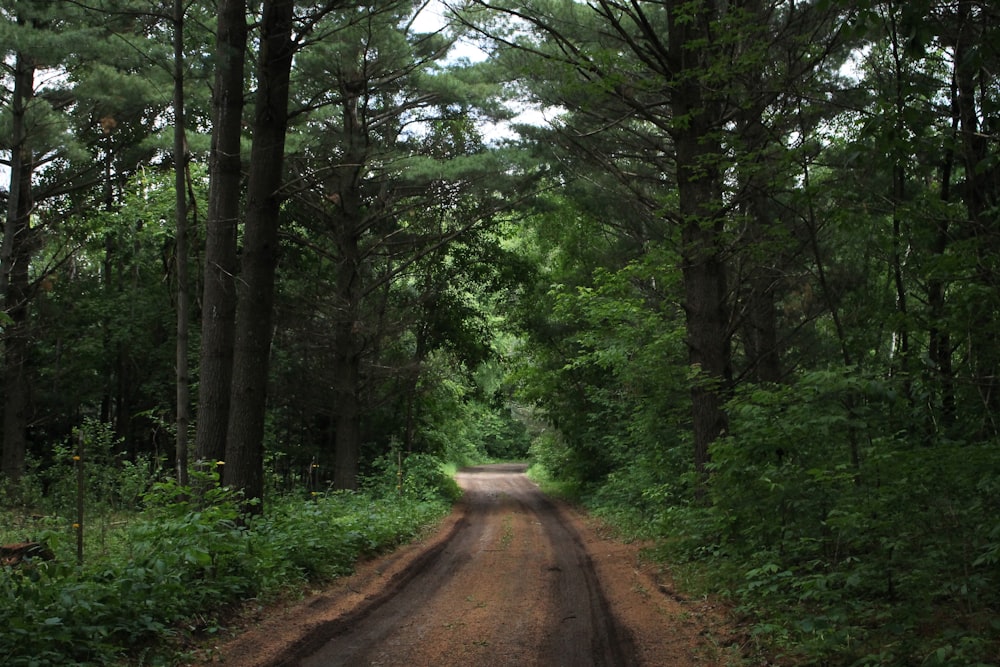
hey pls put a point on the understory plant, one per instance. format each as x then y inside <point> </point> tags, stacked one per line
<point>175,568</point>
<point>849,535</point>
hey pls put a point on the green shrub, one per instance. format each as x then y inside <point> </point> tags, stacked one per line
<point>854,543</point>
<point>413,476</point>
<point>189,555</point>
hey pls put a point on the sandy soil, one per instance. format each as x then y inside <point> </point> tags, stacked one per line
<point>510,578</point>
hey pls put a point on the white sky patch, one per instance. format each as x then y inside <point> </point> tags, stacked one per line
<point>854,64</point>
<point>433,16</point>
<point>527,114</point>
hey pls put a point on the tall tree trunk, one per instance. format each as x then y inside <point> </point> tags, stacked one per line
<point>897,197</point>
<point>762,323</point>
<point>700,202</point>
<point>181,250</point>
<point>15,256</point>
<point>762,276</point>
<point>245,436</point>
<point>347,343</point>
<point>347,373</point>
<point>347,367</point>
<point>939,335</point>
<point>107,284</point>
<point>219,296</point>
<point>981,195</point>
<point>707,328</point>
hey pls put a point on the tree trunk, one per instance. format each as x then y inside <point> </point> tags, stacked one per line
<point>181,250</point>
<point>347,343</point>
<point>219,296</point>
<point>981,195</point>
<point>347,365</point>
<point>245,436</point>
<point>700,203</point>
<point>15,257</point>
<point>347,370</point>
<point>939,334</point>
<point>897,197</point>
<point>763,274</point>
<point>707,330</point>
<point>761,327</point>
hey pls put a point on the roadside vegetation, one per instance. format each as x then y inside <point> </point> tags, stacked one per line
<point>163,567</point>
<point>889,558</point>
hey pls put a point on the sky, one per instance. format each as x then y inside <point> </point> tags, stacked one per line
<point>432,17</point>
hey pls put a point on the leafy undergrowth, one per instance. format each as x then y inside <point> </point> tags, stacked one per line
<point>839,540</point>
<point>175,569</point>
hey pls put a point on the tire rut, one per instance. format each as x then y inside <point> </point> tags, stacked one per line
<point>512,584</point>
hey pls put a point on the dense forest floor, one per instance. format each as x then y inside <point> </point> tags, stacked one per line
<point>509,578</point>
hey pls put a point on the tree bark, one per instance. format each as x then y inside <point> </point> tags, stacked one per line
<point>697,155</point>
<point>762,323</point>
<point>897,197</point>
<point>347,343</point>
<point>708,337</point>
<point>939,334</point>
<point>15,257</point>
<point>219,295</point>
<point>181,250</point>
<point>981,195</point>
<point>244,468</point>
<point>347,373</point>
<point>763,275</point>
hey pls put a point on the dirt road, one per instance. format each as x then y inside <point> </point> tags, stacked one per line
<point>512,578</point>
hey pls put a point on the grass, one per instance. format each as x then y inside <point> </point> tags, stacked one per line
<point>568,490</point>
<point>508,532</point>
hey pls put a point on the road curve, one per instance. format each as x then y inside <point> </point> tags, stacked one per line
<point>511,585</point>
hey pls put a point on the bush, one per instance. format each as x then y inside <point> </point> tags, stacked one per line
<point>413,476</point>
<point>189,555</point>
<point>113,483</point>
<point>853,542</point>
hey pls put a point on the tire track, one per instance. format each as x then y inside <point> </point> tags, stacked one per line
<point>511,585</point>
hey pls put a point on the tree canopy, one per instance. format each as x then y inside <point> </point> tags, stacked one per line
<point>730,271</point>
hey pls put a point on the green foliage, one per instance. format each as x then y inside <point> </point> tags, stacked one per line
<point>414,476</point>
<point>550,453</point>
<point>461,421</point>
<point>111,481</point>
<point>107,318</point>
<point>852,514</point>
<point>176,566</point>
<point>608,374</point>
<point>881,550</point>
<point>499,434</point>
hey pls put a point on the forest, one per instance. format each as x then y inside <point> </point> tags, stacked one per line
<point>725,272</point>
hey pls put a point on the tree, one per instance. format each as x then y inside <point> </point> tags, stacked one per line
<point>181,176</point>
<point>939,265</point>
<point>976,99</point>
<point>37,116</point>
<point>94,119</point>
<point>699,114</point>
<point>15,257</point>
<point>654,95</point>
<point>219,299</point>
<point>395,174</point>
<point>245,433</point>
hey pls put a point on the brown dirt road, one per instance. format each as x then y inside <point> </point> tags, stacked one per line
<point>510,578</point>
